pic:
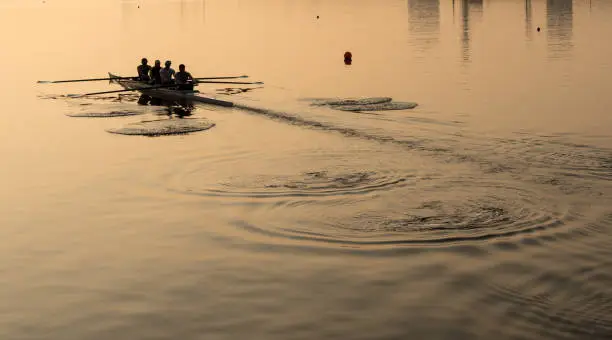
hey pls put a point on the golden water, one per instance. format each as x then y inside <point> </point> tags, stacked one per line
<point>482,213</point>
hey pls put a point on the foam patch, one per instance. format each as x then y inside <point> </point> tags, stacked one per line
<point>164,127</point>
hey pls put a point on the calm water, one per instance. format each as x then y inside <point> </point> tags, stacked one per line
<point>483,213</point>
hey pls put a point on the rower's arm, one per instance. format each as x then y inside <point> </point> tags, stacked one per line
<point>193,80</point>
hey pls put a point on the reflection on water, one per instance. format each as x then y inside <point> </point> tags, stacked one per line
<point>469,9</point>
<point>424,21</point>
<point>528,19</point>
<point>559,20</point>
<point>180,107</point>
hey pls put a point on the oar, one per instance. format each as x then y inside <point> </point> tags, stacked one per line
<point>78,80</point>
<point>234,77</point>
<point>116,91</point>
<point>97,79</point>
<point>231,82</point>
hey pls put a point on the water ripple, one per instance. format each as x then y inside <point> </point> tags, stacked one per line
<point>556,305</point>
<point>308,184</point>
<point>441,212</point>
<point>562,158</point>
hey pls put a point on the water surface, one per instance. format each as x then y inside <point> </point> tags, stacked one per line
<point>483,212</point>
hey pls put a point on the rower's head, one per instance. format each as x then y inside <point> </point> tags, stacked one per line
<point>144,61</point>
<point>182,68</point>
<point>157,63</point>
<point>168,63</point>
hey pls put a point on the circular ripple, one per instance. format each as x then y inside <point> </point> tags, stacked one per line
<point>318,183</point>
<point>164,127</point>
<point>430,212</point>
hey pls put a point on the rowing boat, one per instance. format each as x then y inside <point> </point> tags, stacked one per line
<point>166,93</point>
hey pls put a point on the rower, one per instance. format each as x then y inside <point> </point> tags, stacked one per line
<point>166,74</point>
<point>143,70</point>
<point>155,76</point>
<point>183,79</point>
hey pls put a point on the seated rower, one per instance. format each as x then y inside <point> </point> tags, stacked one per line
<point>155,76</point>
<point>143,70</point>
<point>166,74</point>
<point>183,79</point>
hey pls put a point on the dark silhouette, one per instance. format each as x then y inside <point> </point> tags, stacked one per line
<point>155,76</point>
<point>143,70</point>
<point>348,58</point>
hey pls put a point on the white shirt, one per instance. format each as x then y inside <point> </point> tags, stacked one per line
<point>166,75</point>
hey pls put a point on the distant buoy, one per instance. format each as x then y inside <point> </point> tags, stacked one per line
<point>538,29</point>
<point>348,58</point>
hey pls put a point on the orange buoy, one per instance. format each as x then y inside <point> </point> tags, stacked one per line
<point>348,58</point>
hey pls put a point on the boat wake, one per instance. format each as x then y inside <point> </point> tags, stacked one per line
<point>381,201</point>
<point>305,122</point>
<point>541,160</point>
